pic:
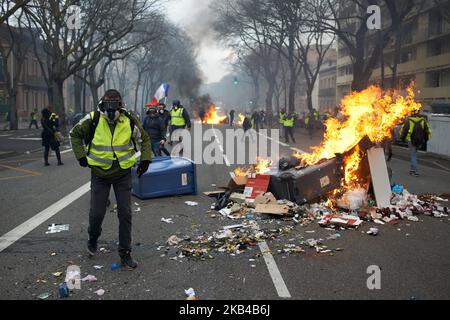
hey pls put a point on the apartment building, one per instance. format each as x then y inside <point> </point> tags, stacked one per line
<point>424,58</point>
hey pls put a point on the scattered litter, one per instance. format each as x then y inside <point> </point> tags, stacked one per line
<point>353,200</point>
<point>63,290</point>
<point>114,267</point>
<point>44,296</point>
<point>373,231</point>
<point>89,278</point>
<point>191,203</point>
<point>98,267</point>
<point>168,221</point>
<point>334,236</point>
<point>137,210</point>
<point>57,228</point>
<point>100,292</point>
<point>53,254</point>
<point>57,274</point>
<point>136,204</point>
<point>398,189</point>
<point>190,293</point>
<point>174,240</point>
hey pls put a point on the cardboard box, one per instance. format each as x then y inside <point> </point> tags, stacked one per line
<point>275,209</point>
<point>257,186</point>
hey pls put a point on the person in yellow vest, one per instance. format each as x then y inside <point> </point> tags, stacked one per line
<point>417,133</point>
<point>288,124</point>
<point>179,119</point>
<point>34,119</point>
<point>107,142</point>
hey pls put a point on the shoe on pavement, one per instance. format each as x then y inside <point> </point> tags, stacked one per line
<point>47,164</point>
<point>414,174</point>
<point>127,261</point>
<point>60,164</point>
<point>92,247</point>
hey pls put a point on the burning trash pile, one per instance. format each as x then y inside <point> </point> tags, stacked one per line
<point>343,183</point>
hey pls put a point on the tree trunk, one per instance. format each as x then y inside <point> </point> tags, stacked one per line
<point>14,121</point>
<point>269,99</point>
<point>395,62</point>
<point>78,87</point>
<point>309,102</point>
<point>58,103</point>
<point>136,92</point>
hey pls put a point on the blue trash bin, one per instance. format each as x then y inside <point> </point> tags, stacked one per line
<point>166,177</point>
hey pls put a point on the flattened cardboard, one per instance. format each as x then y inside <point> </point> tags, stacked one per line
<point>380,177</point>
<point>275,209</point>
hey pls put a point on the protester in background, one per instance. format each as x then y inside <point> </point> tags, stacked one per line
<point>156,129</point>
<point>202,114</point>
<point>262,119</point>
<point>417,133</point>
<point>247,126</point>
<point>111,135</point>
<point>33,117</point>
<point>179,119</point>
<point>256,121</point>
<point>232,115</point>
<point>288,124</point>
<point>50,127</point>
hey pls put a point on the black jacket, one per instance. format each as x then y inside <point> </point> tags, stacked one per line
<point>49,128</point>
<point>155,128</point>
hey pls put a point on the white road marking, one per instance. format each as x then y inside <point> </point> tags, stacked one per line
<point>274,272</point>
<point>66,151</point>
<point>283,144</point>
<point>26,139</point>
<point>16,234</point>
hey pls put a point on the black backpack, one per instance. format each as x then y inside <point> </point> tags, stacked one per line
<point>94,125</point>
<point>419,136</point>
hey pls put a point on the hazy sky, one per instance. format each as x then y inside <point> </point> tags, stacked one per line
<point>195,17</point>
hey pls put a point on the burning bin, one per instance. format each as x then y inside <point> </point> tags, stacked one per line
<point>308,184</point>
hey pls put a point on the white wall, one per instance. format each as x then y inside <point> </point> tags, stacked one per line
<point>440,143</point>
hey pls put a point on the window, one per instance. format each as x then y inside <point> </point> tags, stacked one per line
<point>436,79</point>
<point>407,55</point>
<point>435,23</point>
<point>434,48</point>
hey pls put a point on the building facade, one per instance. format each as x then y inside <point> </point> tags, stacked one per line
<point>424,58</point>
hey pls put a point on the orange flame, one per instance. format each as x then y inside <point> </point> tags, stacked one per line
<point>262,166</point>
<point>241,119</point>
<point>211,117</point>
<point>372,113</point>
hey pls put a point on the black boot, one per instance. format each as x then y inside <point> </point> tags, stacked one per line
<point>127,261</point>
<point>58,156</point>
<point>46,152</point>
<point>92,247</point>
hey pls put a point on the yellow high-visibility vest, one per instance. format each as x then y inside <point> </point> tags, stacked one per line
<point>177,117</point>
<point>107,148</point>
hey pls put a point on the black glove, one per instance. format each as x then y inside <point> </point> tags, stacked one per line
<point>143,167</point>
<point>83,162</point>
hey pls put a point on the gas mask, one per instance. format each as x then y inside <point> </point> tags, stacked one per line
<point>112,109</point>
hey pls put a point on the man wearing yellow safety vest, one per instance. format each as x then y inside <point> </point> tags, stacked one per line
<point>179,119</point>
<point>288,124</point>
<point>107,142</point>
<point>417,133</point>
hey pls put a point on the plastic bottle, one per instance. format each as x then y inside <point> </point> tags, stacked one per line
<point>114,267</point>
<point>63,290</point>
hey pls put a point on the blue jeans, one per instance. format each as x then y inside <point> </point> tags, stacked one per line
<point>156,148</point>
<point>413,154</point>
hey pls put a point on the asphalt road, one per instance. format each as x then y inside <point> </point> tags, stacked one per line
<point>414,257</point>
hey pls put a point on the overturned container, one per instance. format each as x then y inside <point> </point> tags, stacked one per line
<point>165,177</point>
<point>307,184</point>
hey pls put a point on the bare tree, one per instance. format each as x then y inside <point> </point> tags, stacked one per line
<point>70,49</point>
<point>7,11</point>
<point>348,20</point>
<point>241,23</point>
